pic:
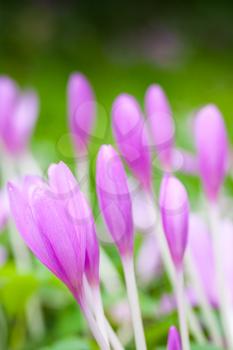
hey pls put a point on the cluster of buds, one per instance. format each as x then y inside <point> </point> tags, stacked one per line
<point>55,219</point>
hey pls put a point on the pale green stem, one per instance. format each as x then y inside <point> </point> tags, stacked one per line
<point>224,297</point>
<point>129,273</point>
<point>181,310</point>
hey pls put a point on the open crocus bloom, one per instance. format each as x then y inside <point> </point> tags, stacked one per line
<point>54,220</point>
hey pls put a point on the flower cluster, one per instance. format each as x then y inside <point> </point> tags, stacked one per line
<point>55,219</point>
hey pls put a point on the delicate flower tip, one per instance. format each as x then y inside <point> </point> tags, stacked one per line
<point>82,110</point>
<point>212,149</point>
<point>162,127</point>
<point>174,207</point>
<point>174,342</point>
<point>114,198</point>
<point>131,136</point>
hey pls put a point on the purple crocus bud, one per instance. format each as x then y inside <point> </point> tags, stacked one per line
<point>173,342</point>
<point>131,136</point>
<point>161,123</point>
<point>45,226</point>
<point>19,126</point>
<point>8,96</point>
<point>114,198</point>
<point>82,111</point>
<point>174,208</point>
<point>212,149</point>
<point>78,210</point>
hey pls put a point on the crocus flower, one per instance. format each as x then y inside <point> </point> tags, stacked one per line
<point>211,144</point>
<point>19,126</point>
<point>65,185</point>
<point>161,123</point>
<point>43,219</point>
<point>82,111</point>
<point>131,136</point>
<point>18,115</point>
<point>114,198</point>
<point>8,97</point>
<point>173,339</point>
<point>174,208</point>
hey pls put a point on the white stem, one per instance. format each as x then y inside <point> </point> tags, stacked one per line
<point>169,267</point>
<point>93,326</point>
<point>181,310</point>
<point>109,275</point>
<point>99,312</point>
<point>224,298</point>
<point>206,309</point>
<point>82,174</point>
<point>129,273</point>
<point>115,342</point>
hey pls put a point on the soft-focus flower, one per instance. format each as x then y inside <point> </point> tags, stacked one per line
<point>174,342</point>
<point>211,143</point>
<point>161,123</point>
<point>82,111</point>
<point>18,115</point>
<point>19,126</point>
<point>8,97</point>
<point>200,247</point>
<point>174,208</point>
<point>131,136</point>
<point>114,198</point>
<point>149,260</point>
<point>53,219</point>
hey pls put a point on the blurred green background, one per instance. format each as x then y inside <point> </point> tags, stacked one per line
<point>121,47</point>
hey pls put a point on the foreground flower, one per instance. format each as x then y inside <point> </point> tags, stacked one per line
<point>114,199</point>
<point>82,111</point>
<point>161,123</point>
<point>173,339</point>
<point>131,136</point>
<point>116,207</point>
<point>211,143</point>
<point>55,222</point>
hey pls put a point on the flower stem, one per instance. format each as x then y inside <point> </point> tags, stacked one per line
<point>207,311</point>
<point>93,326</point>
<point>99,312</point>
<point>129,273</point>
<point>90,297</point>
<point>194,324</point>
<point>181,310</point>
<point>224,299</point>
